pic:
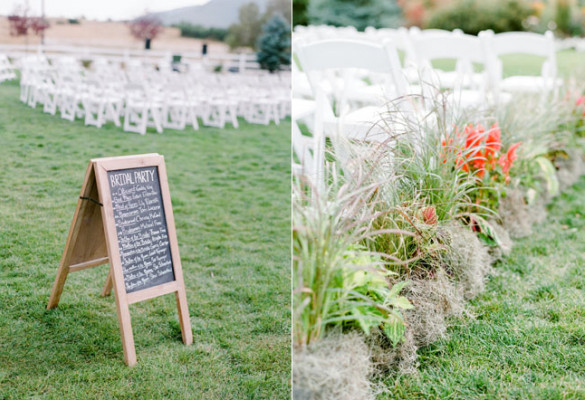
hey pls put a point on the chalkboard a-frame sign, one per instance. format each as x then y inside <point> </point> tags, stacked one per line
<point>124,217</point>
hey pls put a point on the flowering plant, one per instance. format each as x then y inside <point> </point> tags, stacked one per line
<point>479,152</point>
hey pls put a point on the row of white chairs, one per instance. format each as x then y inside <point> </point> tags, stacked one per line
<point>145,97</point>
<point>341,86</point>
<point>7,70</point>
<point>420,48</point>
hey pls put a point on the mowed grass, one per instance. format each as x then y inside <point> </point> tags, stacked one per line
<point>230,192</point>
<point>569,63</point>
<point>527,340</point>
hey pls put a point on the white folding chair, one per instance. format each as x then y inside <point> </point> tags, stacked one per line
<point>70,94</point>
<point>176,107</point>
<point>101,105</point>
<point>331,59</point>
<point>219,107</point>
<point>469,89</point>
<point>6,69</point>
<point>141,110</point>
<point>325,62</point>
<point>522,43</point>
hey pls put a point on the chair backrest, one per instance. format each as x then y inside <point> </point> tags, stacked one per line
<point>458,47</point>
<point>466,50</point>
<point>523,43</point>
<point>350,56</point>
<point>417,32</point>
<point>527,43</point>
<point>343,53</point>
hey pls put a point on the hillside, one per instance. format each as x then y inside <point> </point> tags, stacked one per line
<point>215,13</point>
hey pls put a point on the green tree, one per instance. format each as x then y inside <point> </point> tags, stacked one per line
<point>274,44</point>
<point>357,13</point>
<point>300,12</point>
<point>247,30</point>
<point>474,16</point>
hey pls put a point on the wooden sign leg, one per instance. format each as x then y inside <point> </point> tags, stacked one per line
<point>184,319</point>
<point>108,285</point>
<point>126,330</point>
<point>62,273</point>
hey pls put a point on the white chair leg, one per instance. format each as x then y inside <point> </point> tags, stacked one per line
<point>193,117</point>
<point>232,109</point>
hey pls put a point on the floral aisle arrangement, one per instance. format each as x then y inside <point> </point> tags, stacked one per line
<point>385,257</point>
<point>479,153</point>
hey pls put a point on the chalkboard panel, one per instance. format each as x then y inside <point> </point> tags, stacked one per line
<point>141,227</point>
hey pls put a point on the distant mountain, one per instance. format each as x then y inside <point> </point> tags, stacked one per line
<point>214,14</point>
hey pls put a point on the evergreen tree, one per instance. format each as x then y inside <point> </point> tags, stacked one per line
<point>274,44</point>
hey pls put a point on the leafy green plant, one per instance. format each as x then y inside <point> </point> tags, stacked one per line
<point>474,16</point>
<point>420,191</point>
<point>336,282</point>
<point>369,300</point>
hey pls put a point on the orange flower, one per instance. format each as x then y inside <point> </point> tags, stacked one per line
<point>473,136</point>
<point>506,161</point>
<point>493,143</point>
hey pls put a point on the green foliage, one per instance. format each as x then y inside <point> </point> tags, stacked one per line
<point>568,19</point>
<point>336,282</point>
<point>274,44</point>
<point>299,8</point>
<point>545,138</point>
<point>201,32</point>
<point>473,16</point>
<point>231,201</point>
<point>563,16</point>
<point>369,301</point>
<point>359,14</point>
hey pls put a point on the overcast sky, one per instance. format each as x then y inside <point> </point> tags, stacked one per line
<point>97,9</point>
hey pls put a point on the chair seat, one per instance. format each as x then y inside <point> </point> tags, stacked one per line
<point>370,124</point>
<point>371,94</point>
<point>467,98</point>
<point>450,79</point>
<point>529,84</point>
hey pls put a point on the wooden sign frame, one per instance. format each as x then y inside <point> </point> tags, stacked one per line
<point>93,241</point>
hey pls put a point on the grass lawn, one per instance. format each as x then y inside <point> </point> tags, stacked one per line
<point>528,338</point>
<point>569,63</point>
<point>231,198</point>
